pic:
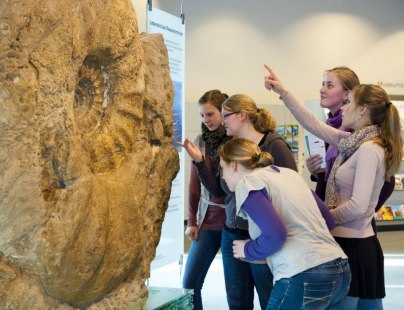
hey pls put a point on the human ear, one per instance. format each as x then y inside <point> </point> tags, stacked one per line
<point>346,95</point>
<point>243,114</point>
<point>363,110</point>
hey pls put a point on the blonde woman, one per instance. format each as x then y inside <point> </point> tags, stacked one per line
<point>289,226</point>
<point>367,158</point>
<point>336,86</point>
<point>242,118</point>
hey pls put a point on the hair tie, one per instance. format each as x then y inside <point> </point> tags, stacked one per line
<point>256,157</point>
<point>388,103</point>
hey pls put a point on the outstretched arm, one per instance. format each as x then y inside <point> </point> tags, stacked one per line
<point>303,115</point>
<point>209,179</point>
<point>193,151</point>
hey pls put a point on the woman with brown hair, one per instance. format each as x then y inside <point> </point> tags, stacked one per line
<point>242,118</point>
<point>206,214</point>
<point>367,158</point>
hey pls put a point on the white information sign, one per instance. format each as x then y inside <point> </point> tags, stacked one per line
<point>171,246</point>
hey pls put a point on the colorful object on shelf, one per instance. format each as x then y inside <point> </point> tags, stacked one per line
<point>399,182</point>
<point>390,212</point>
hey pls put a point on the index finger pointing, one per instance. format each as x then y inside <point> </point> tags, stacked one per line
<point>179,142</point>
<point>271,72</point>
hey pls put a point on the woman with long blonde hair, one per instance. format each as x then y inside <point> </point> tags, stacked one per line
<point>367,158</point>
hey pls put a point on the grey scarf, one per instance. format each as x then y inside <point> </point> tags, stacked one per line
<point>346,148</point>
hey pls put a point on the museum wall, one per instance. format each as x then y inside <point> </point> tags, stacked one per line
<point>227,43</point>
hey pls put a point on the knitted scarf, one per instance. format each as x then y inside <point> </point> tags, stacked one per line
<point>213,139</point>
<point>346,148</point>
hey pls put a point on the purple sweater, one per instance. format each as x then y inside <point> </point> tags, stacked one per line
<point>259,207</point>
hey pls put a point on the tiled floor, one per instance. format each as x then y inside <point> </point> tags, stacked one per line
<point>214,296</point>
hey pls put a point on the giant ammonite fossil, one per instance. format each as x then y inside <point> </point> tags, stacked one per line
<point>92,165</point>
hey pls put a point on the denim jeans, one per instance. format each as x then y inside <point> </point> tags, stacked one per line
<point>322,287</point>
<point>356,303</point>
<point>241,277</point>
<point>200,257</point>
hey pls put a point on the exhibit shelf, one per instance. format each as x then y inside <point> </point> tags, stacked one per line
<point>391,225</point>
<point>391,215</point>
<point>165,298</point>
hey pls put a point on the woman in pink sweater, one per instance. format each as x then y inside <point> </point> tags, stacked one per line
<point>367,157</point>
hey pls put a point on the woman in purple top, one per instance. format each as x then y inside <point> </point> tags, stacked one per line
<point>334,93</point>
<point>367,158</point>
<point>242,118</point>
<point>287,228</point>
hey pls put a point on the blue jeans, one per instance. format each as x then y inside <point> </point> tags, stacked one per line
<point>241,277</point>
<point>321,287</point>
<point>200,257</point>
<point>356,303</point>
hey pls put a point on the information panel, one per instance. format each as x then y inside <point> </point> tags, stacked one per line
<point>171,246</point>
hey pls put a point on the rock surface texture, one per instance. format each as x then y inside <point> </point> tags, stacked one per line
<point>86,155</point>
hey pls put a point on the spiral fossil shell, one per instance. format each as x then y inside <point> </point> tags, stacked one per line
<point>86,159</point>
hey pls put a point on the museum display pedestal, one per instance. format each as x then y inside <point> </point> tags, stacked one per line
<point>165,298</point>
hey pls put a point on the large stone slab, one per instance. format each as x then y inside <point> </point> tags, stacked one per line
<point>86,160</point>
